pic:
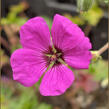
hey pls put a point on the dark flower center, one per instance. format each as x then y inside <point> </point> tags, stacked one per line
<point>53,56</point>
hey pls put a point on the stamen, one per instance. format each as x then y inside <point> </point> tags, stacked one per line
<point>62,62</point>
<point>54,49</point>
<point>49,67</point>
<point>53,56</point>
<point>49,55</point>
<point>59,54</point>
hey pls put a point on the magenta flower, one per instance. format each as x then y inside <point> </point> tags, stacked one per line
<point>39,56</point>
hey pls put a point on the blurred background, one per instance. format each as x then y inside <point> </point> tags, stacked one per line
<point>90,89</point>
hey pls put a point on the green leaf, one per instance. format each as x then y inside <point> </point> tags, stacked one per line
<point>99,70</point>
<point>76,19</point>
<point>25,98</point>
<point>5,21</point>
<point>20,21</point>
<point>44,106</point>
<point>106,1</point>
<point>93,16</point>
<point>103,1</point>
<point>11,16</point>
<point>16,8</point>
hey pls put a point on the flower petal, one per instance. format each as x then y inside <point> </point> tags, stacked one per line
<point>34,34</point>
<point>71,40</point>
<point>56,81</point>
<point>65,34</point>
<point>79,57</point>
<point>27,66</point>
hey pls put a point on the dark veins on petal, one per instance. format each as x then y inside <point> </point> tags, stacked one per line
<point>53,56</point>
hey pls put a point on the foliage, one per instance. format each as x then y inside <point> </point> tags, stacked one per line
<point>99,70</point>
<point>75,19</point>
<point>26,98</point>
<point>105,2</point>
<point>20,99</point>
<point>12,16</point>
<point>84,5</point>
<point>93,16</point>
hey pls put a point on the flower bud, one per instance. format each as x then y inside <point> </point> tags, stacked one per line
<point>106,1</point>
<point>95,56</point>
<point>84,5</point>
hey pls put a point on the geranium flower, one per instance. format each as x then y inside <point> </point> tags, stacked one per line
<point>41,56</point>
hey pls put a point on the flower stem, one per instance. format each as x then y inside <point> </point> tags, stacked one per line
<point>96,54</point>
<point>103,49</point>
<point>87,29</point>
